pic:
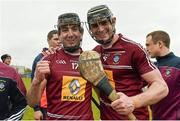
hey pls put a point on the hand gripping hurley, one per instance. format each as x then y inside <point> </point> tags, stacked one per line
<point>91,69</point>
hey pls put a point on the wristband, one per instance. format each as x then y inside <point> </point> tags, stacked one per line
<point>36,108</point>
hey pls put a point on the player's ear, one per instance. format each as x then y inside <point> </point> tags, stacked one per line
<point>160,43</point>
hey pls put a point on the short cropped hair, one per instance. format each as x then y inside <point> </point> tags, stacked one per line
<point>51,33</point>
<point>160,35</point>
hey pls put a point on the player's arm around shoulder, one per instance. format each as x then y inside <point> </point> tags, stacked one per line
<point>156,91</point>
<point>38,83</point>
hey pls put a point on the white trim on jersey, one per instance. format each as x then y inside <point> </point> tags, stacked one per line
<point>58,116</point>
<point>117,66</point>
<point>18,115</point>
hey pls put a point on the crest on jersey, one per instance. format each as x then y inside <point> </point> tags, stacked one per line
<point>116,58</point>
<point>74,86</point>
<point>168,72</point>
<point>2,86</point>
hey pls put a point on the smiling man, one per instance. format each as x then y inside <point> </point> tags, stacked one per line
<point>68,94</point>
<point>127,65</point>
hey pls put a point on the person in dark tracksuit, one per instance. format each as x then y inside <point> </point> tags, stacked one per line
<point>12,99</point>
<point>157,44</point>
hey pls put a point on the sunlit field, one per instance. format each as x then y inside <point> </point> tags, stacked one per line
<point>29,111</point>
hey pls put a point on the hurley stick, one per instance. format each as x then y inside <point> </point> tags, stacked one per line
<point>91,69</point>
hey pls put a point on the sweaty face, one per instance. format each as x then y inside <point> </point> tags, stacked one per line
<point>71,36</point>
<point>102,30</point>
<point>152,48</point>
<point>55,41</point>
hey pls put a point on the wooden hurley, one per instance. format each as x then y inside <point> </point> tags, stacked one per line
<point>91,69</point>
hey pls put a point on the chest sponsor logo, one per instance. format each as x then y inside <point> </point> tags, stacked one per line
<point>2,85</point>
<point>74,86</point>
<point>73,89</point>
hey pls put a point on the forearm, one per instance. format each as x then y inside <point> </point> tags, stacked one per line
<point>38,84</point>
<point>155,92</point>
<point>34,94</point>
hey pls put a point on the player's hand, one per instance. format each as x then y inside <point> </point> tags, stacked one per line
<point>50,51</point>
<point>124,105</point>
<point>42,69</point>
<point>38,115</point>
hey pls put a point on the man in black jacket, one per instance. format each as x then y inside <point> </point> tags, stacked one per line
<point>12,100</point>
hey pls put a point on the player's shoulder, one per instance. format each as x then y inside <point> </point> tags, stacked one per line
<point>178,58</point>
<point>57,54</point>
<point>130,44</point>
<point>38,57</point>
<point>177,61</point>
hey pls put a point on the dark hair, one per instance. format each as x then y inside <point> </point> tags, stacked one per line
<point>3,57</point>
<point>50,34</point>
<point>160,36</point>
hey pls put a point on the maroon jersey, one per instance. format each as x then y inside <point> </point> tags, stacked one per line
<point>9,72</point>
<point>124,64</point>
<point>68,94</point>
<point>169,107</point>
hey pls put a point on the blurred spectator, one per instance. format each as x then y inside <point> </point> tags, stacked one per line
<point>12,94</point>
<point>6,59</point>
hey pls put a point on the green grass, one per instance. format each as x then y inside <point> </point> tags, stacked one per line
<point>96,112</point>
<point>29,114</point>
